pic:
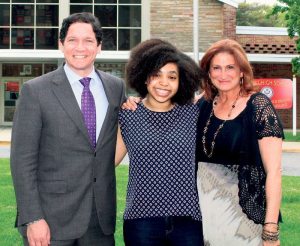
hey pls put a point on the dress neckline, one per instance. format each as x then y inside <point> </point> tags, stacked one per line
<point>158,112</point>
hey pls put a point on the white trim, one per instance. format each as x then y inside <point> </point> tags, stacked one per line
<point>114,56</point>
<point>263,58</point>
<point>122,56</point>
<point>7,54</point>
<point>294,105</point>
<point>146,20</point>
<point>271,58</point>
<point>64,10</point>
<point>232,3</point>
<point>196,30</point>
<point>37,55</point>
<point>258,30</point>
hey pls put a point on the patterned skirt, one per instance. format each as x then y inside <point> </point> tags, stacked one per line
<point>224,222</point>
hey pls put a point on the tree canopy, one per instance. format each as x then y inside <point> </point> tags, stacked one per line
<point>291,11</point>
<point>256,14</point>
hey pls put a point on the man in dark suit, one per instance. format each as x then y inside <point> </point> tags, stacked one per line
<point>63,145</point>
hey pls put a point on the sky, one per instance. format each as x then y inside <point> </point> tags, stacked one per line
<point>271,2</point>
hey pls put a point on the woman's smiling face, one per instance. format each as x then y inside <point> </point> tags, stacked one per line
<point>163,85</point>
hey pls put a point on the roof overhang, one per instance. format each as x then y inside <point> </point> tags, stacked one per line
<point>271,58</point>
<point>263,58</point>
<point>258,30</point>
<point>121,56</point>
<point>50,55</point>
<point>232,3</point>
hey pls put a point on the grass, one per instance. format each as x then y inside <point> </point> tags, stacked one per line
<point>289,136</point>
<point>9,235</point>
<point>290,233</point>
<point>290,208</point>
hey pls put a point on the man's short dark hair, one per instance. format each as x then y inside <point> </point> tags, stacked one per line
<point>83,17</point>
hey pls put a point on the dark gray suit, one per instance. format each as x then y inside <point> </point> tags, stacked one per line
<point>54,167</point>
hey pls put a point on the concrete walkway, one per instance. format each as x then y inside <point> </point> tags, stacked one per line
<point>5,135</point>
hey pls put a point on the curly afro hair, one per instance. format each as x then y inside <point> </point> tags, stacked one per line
<point>149,56</point>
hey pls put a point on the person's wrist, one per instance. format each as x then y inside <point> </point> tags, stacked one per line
<point>270,232</point>
<point>271,226</point>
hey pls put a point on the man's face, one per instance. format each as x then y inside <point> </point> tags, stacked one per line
<point>80,48</point>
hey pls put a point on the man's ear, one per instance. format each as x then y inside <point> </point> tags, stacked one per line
<point>60,46</point>
<point>99,48</point>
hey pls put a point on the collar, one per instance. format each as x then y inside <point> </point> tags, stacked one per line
<point>74,78</point>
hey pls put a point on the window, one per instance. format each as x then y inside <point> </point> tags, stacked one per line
<point>116,69</point>
<point>27,69</point>
<point>34,24</point>
<point>120,20</point>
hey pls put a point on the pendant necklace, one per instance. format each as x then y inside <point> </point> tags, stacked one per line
<point>215,102</point>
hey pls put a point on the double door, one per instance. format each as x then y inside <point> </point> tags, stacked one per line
<point>9,94</point>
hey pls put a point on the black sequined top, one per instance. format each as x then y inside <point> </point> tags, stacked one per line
<point>237,144</point>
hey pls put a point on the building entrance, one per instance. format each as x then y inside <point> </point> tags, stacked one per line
<point>9,93</point>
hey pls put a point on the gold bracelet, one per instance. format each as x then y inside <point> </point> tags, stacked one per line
<point>272,236</point>
<point>270,223</point>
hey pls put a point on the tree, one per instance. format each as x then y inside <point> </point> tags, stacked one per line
<point>258,15</point>
<point>291,9</point>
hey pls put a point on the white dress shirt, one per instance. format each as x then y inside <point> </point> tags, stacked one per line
<point>96,87</point>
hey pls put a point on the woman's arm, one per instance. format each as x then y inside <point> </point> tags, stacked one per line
<point>120,148</point>
<point>271,150</point>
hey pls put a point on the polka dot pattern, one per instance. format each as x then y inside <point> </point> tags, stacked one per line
<point>161,149</point>
<point>88,109</point>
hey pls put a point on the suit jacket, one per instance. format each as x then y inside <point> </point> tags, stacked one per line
<point>55,169</point>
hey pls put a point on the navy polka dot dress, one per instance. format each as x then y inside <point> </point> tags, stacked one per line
<point>161,150</point>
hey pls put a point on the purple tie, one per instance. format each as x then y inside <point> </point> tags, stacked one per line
<point>88,109</point>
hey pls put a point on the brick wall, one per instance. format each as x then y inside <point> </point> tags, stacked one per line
<point>211,23</point>
<point>263,44</point>
<point>229,21</point>
<point>173,21</point>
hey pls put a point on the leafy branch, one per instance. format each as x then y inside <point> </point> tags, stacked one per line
<point>291,9</point>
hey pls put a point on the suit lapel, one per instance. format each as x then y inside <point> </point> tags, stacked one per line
<point>64,93</point>
<point>107,85</point>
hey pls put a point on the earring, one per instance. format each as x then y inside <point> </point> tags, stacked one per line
<point>242,81</point>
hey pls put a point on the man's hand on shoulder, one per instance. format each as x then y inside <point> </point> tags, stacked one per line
<point>198,97</point>
<point>38,233</point>
<point>131,103</point>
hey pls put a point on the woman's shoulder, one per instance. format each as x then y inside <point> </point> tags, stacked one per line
<point>196,105</point>
<point>204,103</point>
<point>259,100</point>
<point>129,112</point>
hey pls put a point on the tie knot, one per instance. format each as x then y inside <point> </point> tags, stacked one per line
<point>85,81</point>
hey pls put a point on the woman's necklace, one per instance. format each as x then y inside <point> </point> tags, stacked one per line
<point>219,128</point>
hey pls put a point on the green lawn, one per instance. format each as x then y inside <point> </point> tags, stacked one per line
<point>289,136</point>
<point>290,232</point>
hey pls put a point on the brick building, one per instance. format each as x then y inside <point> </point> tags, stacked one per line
<point>29,32</point>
